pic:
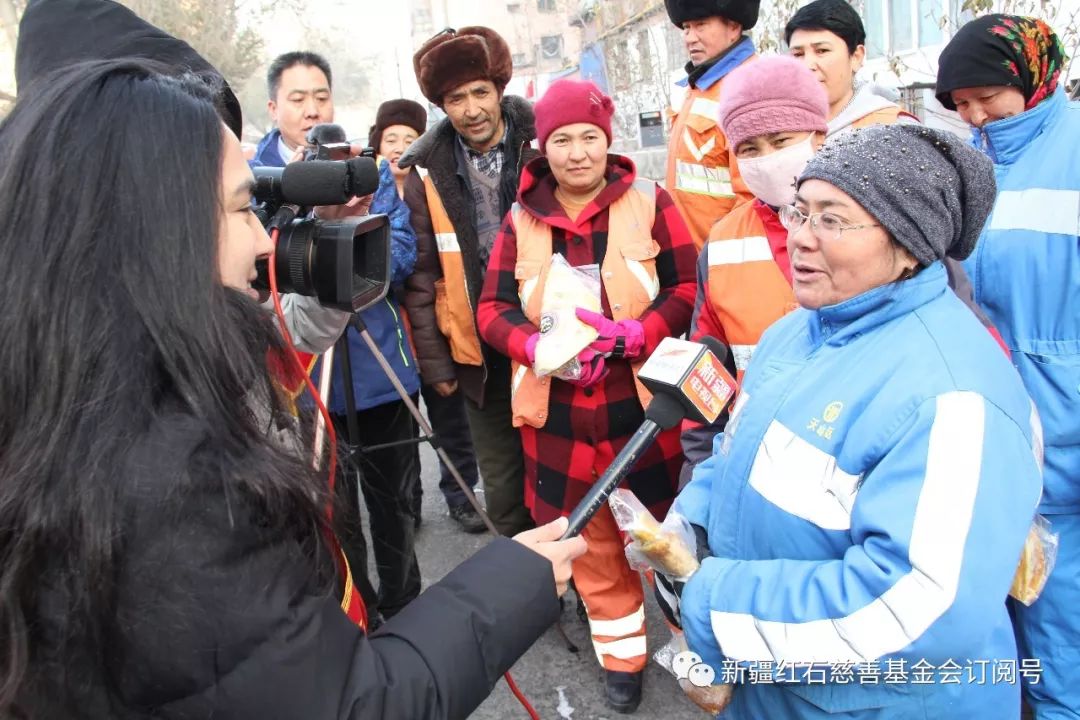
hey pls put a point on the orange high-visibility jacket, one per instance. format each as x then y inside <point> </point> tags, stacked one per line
<point>745,288</point>
<point>453,308</point>
<point>702,175</point>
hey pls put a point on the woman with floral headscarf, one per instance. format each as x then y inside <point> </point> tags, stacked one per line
<point>1002,74</point>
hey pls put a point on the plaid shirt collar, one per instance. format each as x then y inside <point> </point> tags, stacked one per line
<point>489,163</point>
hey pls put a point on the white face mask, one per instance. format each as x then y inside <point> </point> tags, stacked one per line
<point>772,177</point>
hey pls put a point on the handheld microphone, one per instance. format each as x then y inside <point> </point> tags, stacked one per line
<point>317,182</point>
<point>688,380</point>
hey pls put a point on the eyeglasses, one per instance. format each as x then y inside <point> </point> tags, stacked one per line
<point>825,226</point>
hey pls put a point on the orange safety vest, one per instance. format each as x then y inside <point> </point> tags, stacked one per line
<point>702,176</point>
<point>454,312</point>
<point>628,274</point>
<point>747,290</point>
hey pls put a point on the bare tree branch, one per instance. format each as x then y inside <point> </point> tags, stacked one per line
<point>213,28</point>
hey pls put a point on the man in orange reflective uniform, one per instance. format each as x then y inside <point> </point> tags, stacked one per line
<point>701,173</point>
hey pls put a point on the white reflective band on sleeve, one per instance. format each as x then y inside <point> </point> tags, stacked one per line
<point>518,377</point>
<point>527,289</point>
<point>742,355</point>
<point>706,108</point>
<point>651,284</point>
<point>694,178</point>
<point>625,649</point>
<point>935,555</point>
<point>1037,446</point>
<point>632,623</point>
<point>1037,209</point>
<point>447,242</point>
<point>803,480</point>
<point>697,152</point>
<point>741,250</point>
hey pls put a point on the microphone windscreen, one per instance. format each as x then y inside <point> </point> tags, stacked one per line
<point>363,176</point>
<point>325,133</point>
<point>666,411</point>
<point>316,182</point>
<point>716,347</point>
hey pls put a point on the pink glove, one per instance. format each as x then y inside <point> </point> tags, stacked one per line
<point>530,347</point>
<point>592,368</point>
<point>623,339</point>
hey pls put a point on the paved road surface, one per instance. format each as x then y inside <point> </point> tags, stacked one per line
<point>560,685</point>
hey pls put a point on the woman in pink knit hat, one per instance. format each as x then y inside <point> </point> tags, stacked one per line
<point>773,113</point>
<point>588,206</point>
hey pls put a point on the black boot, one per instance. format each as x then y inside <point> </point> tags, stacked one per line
<point>623,690</point>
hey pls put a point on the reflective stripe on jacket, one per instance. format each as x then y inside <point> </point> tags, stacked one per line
<point>453,309</point>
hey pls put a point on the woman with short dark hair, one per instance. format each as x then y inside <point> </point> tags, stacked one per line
<point>829,38</point>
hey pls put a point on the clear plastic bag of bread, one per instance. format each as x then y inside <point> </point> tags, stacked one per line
<point>668,547</point>
<point>562,335</point>
<point>1036,562</point>
<point>697,680</point>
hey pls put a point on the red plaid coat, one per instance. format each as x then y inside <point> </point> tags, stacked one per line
<point>586,427</point>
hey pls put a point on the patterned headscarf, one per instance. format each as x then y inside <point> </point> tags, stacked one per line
<point>1002,50</point>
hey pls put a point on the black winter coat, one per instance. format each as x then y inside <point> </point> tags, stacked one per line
<point>218,617</point>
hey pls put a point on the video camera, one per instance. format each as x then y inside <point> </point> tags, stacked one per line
<point>343,263</point>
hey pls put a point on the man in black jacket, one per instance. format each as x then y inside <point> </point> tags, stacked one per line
<point>469,165</point>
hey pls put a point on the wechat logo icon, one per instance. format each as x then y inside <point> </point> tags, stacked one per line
<point>688,666</point>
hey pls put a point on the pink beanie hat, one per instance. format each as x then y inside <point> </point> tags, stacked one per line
<point>572,101</point>
<point>770,95</point>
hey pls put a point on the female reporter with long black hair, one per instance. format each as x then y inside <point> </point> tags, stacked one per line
<point>163,546</point>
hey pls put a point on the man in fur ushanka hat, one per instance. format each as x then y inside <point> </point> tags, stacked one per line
<point>469,165</point>
<point>702,175</point>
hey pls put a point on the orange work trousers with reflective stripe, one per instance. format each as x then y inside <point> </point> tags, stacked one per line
<point>613,596</point>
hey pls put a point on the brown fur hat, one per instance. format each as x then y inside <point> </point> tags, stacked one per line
<point>744,12</point>
<point>397,112</point>
<point>455,57</point>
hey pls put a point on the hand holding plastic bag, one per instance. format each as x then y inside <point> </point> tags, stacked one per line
<point>562,335</point>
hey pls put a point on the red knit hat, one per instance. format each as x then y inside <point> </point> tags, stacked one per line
<point>572,101</point>
<point>772,94</point>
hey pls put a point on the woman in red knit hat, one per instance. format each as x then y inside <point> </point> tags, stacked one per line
<point>588,206</point>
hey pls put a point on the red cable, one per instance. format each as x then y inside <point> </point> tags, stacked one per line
<point>521,697</point>
<point>299,368</point>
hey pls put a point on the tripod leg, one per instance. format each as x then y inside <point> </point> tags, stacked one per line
<point>422,422</point>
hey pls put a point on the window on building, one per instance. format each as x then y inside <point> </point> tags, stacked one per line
<point>901,30</point>
<point>421,20</point>
<point>545,5</point>
<point>897,26</point>
<point>519,59</point>
<point>551,47</point>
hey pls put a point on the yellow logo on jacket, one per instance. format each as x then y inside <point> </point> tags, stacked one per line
<point>823,427</point>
